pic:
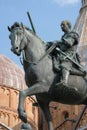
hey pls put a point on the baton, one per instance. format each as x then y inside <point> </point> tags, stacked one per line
<point>31,22</point>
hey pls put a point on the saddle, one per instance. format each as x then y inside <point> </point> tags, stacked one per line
<point>75,70</point>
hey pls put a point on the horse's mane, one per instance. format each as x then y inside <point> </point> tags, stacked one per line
<point>21,25</point>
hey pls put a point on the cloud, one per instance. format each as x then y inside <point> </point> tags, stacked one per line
<point>66,2</point>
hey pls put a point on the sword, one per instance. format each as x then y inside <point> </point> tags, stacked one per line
<point>69,58</point>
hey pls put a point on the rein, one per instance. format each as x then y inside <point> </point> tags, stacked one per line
<point>23,58</point>
<point>47,53</point>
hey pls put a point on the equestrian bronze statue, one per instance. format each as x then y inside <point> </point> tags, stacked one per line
<point>40,75</point>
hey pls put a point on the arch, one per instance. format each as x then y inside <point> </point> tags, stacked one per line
<point>65,114</point>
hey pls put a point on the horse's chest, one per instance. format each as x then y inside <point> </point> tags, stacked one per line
<point>33,73</point>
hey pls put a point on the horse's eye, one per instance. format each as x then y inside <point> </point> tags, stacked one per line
<point>19,33</point>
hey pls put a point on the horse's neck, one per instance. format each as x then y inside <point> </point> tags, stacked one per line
<point>35,49</point>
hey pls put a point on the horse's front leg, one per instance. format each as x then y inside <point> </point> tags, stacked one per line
<point>33,90</point>
<point>45,108</point>
<point>21,111</point>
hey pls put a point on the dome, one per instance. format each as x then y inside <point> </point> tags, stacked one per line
<point>10,74</point>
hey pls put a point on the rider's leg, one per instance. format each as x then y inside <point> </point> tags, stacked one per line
<point>65,69</point>
<point>65,76</point>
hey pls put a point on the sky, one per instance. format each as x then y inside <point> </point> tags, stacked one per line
<point>46,16</point>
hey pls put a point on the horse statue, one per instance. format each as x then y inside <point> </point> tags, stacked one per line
<point>40,76</point>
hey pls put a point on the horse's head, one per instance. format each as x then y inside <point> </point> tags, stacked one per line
<point>17,37</point>
<point>23,39</point>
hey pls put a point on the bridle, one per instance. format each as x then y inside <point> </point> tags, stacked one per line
<point>24,55</point>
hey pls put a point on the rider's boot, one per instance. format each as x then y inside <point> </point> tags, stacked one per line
<point>64,79</point>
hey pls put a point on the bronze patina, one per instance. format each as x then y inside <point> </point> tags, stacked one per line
<point>40,76</point>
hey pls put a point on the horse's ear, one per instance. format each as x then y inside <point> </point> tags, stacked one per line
<point>22,26</point>
<point>9,28</point>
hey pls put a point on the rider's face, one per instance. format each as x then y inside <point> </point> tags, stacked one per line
<point>64,27</point>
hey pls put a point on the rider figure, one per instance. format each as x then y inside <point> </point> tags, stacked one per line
<point>67,44</point>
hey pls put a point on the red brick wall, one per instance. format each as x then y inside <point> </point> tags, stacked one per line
<point>8,108</point>
<point>59,112</point>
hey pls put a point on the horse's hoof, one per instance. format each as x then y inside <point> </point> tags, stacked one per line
<point>26,126</point>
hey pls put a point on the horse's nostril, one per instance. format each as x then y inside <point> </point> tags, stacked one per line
<point>16,48</point>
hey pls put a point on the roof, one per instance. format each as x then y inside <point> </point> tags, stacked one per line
<point>10,74</point>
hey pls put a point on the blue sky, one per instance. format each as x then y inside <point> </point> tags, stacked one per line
<point>46,15</point>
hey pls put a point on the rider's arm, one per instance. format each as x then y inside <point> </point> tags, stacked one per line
<point>71,39</point>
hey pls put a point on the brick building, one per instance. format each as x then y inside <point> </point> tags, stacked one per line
<point>11,82</point>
